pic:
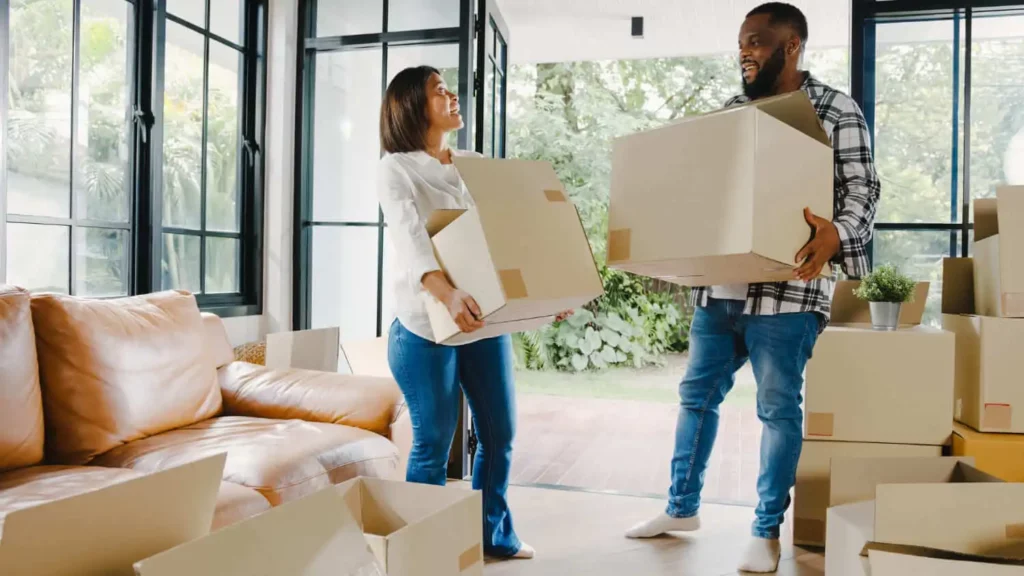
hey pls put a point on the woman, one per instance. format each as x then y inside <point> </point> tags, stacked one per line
<point>415,178</point>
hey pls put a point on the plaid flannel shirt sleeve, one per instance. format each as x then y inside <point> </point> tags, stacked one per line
<point>858,187</point>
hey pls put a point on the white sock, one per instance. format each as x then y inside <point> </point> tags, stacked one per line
<point>662,524</point>
<point>762,556</point>
<point>526,552</point>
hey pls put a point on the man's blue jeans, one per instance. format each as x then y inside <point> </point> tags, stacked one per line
<point>430,376</point>
<point>722,339</point>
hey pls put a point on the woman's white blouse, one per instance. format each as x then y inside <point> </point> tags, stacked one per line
<point>410,186</point>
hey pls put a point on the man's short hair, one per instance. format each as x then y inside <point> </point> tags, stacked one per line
<point>782,13</point>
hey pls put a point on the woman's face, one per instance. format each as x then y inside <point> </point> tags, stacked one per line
<point>442,106</point>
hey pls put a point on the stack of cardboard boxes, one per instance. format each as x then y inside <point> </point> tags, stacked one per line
<point>983,304</point>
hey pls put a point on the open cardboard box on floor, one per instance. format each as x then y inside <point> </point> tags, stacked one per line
<point>988,395</point>
<point>323,349</point>
<point>889,560</point>
<point>719,198</point>
<point>999,254</point>
<point>940,503</point>
<point>1001,455</point>
<point>521,252</point>
<point>811,495</point>
<point>415,529</point>
<point>312,536</point>
<point>103,532</point>
<point>864,385</point>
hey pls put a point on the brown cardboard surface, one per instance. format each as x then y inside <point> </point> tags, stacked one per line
<point>720,186</point>
<point>522,221</point>
<point>851,527</point>
<point>894,387</point>
<point>812,493</point>
<point>998,246</point>
<point>306,349</point>
<point>987,392</point>
<point>848,310</point>
<point>312,536</point>
<point>1001,455</point>
<point>416,529</point>
<point>888,560</point>
<point>102,533</point>
<point>855,478</point>
<point>366,357</point>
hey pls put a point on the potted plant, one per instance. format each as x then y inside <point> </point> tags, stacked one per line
<point>885,289</point>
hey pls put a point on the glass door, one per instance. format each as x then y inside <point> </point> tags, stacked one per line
<point>491,79</point>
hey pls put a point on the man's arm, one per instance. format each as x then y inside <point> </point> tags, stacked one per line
<point>858,189</point>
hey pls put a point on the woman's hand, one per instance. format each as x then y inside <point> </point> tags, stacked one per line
<point>464,311</point>
<point>564,315</point>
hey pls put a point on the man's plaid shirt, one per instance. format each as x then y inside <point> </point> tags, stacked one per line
<point>857,190</point>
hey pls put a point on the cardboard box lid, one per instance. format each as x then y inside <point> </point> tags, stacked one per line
<point>897,560</point>
<point>386,507</point>
<point>1003,213</point>
<point>856,479</point>
<point>848,310</point>
<point>859,517</point>
<point>794,109</point>
<point>316,349</point>
<point>366,358</point>
<point>103,532</point>
<point>312,536</point>
<point>958,286</point>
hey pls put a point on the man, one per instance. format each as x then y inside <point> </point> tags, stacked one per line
<point>773,325</point>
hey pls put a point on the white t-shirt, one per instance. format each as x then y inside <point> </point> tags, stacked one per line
<point>410,186</point>
<point>730,292</point>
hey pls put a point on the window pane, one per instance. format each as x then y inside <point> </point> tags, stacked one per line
<point>489,110</point>
<point>444,57</point>
<point>226,19</point>
<point>422,14</point>
<point>344,17</point>
<point>38,257</point>
<point>919,255</point>
<point>223,139</point>
<point>183,127</point>
<point>997,104</point>
<point>914,120</point>
<point>102,147</point>
<point>346,136</point>
<point>344,280</point>
<point>193,11</point>
<point>499,114</point>
<point>39,109</point>
<point>102,262</point>
<point>180,265</point>
<point>222,265</point>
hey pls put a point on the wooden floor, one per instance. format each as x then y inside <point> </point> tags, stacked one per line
<point>626,446</point>
<point>582,533</point>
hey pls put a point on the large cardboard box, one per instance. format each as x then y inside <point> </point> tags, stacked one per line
<point>103,532</point>
<point>999,254</point>
<point>888,560</point>
<point>1001,455</point>
<point>894,387</point>
<point>941,503</point>
<point>719,198</point>
<point>312,536</point>
<point>323,349</point>
<point>415,529</point>
<point>988,395</point>
<point>812,493</point>
<point>521,252</point>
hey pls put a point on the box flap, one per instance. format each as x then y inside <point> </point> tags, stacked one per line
<point>986,218</point>
<point>304,349</point>
<point>796,110</point>
<point>440,219</point>
<point>847,309</point>
<point>957,286</point>
<point>855,479</point>
<point>103,532</point>
<point>312,536</point>
<point>874,549</point>
<point>366,357</point>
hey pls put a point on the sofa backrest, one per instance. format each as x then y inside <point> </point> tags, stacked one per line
<point>21,404</point>
<point>114,371</point>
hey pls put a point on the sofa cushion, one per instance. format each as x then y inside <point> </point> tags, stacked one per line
<point>40,484</point>
<point>282,459</point>
<point>21,404</point>
<point>113,371</point>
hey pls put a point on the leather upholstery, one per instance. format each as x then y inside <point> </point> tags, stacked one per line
<point>236,503</point>
<point>114,371</point>
<point>282,459</point>
<point>21,404</point>
<point>217,342</point>
<point>365,402</point>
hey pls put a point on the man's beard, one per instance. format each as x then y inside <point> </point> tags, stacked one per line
<point>767,78</point>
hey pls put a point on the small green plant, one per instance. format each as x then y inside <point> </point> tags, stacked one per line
<point>886,284</point>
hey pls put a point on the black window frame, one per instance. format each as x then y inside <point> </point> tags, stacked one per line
<point>145,38</point>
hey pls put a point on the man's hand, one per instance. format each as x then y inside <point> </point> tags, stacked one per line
<point>820,250</point>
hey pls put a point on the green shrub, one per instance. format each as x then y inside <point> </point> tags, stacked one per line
<point>886,284</point>
<point>631,325</point>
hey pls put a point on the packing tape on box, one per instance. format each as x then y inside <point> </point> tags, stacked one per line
<point>471,557</point>
<point>513,283</point>
<point>820,424</point>
<point>619,245</point>
<point>809,530</point>
<point>555,195</point>
<point>997,417</point>
<point>1015,531</point>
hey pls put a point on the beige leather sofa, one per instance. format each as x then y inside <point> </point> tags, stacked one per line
<point>94,392</point>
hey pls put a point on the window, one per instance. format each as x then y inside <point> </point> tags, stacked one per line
<point>102,202</point>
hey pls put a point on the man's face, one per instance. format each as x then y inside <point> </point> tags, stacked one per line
<point>762,55</point>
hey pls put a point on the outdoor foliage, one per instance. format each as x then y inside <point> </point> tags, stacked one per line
<point>886,284</point>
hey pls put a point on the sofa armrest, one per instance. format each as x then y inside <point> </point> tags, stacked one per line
<point>369,403</point>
